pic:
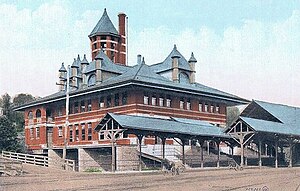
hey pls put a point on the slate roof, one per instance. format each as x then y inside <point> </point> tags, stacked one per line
<point>171,125</point>
<point>104,26</point>
<point>288,119</point>
<point>271,126</point>
<point>143,75</point>
<point>167,63</point>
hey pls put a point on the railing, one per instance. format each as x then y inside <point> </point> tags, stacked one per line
<point>38,160</point>
<point>26,158</point>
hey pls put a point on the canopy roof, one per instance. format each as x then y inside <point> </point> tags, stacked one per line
<point>165,125</point>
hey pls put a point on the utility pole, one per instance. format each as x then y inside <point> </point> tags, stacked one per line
<point>67,116</point>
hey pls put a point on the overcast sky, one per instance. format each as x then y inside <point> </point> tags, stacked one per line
<point>247,48</point>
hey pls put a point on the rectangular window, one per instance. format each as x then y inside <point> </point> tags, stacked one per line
<point>181,103</point>
<point>101,136</point>
<point>60,131</point>
<point>212,108</point>
<point>188,104</point>
<point>37,132</point>
<point>206,108</point>
<point>161,102</point>
<point>76,109</point>
<point>82,106</point>
<point>89,107</point>
<point>101,102</point>
<point>76,133</point>
<point>124,98</point>
<point>31,132</point>
<point>116,99</point>
<point>71,109</point>
<point>200,107</point>
<point>153,102</point>
<point>71,134</point>
<point>146,100</point>
<point>168,101</point>
<point>89,131</point>
<point>82,131</point>
<point>108,101</point>
<point>217,109</point>
<point>59,112</point>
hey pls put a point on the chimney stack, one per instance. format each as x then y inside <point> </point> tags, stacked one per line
<point>139,59</point>
<point>122,17</point>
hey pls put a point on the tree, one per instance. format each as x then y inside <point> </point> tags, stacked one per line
<point>21,99</point>
<point>8,135</point>
<point>6,105</point>
<point>18,116</point>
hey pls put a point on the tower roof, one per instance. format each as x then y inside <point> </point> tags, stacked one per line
<point>192,58</point>
<point>84,60</point>
<point>104,26</point>
<point>62,68</point>
<point>75,64</point>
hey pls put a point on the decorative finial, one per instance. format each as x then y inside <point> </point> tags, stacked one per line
<point>175,47</point>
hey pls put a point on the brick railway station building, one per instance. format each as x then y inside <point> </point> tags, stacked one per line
<point>107,86</point>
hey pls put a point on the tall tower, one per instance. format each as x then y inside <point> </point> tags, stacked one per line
<point>105,36</point>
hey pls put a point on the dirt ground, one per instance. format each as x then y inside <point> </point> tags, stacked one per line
<point>42,178</point>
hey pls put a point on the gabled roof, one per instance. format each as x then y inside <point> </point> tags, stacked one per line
<point>170,125</point>
<point>167,63</point>
<point>287,118</point>
<point>104,26</point>
<point>271,126</point>
<point>286,114</point>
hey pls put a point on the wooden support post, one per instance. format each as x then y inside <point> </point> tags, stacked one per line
<point>163,141</point>
<point>201,154</point>
<point>242,151</point>
<point>140,138</point>
<point>218,160</point>
<point>113,155</point>
<point>276,154</point>
<point>183,155</point>
<point>201,143</point>
<point>259,154</point>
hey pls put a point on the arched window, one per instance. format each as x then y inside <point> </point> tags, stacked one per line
<point>92,80</point>
<point>30,115</point>
<point>38,113</point>
<point>184,78</point>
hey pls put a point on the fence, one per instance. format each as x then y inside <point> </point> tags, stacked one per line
<point>26,158</point>
<point>37,160</point>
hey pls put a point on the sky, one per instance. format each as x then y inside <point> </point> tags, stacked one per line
<point>247,48</point>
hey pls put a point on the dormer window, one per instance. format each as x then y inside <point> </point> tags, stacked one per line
<point>184,78</point>
<point>181,103</point>
<point>92,80</point>
<point>153,101</point>
<point>146,100</point>
<point>188,104</point>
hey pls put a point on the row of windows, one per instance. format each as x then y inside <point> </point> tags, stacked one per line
<point>77,133</point>
<point>183,104</point>
<point>37,133</point>
<point>86,106</point>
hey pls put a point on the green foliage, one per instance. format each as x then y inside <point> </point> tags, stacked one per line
<point>232,115</point>
<point>6,105</point>
<point>21,99</point>
<point>8,135</point>
<point>93,169</point>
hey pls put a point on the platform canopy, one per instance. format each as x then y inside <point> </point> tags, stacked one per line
<point>169,127</point>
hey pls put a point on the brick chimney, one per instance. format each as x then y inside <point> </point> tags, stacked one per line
<point>121,58</point>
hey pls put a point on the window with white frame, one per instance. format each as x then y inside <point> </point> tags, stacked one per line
<point>31,132</point>
<point>60,131</point>
<point>168,101</point>
<point>181,103</point>
<point>89,131</point>
<point>76,133</point>
<point>212,108</point>
<point>101,102</point>
<point>82,131</point>
<point>153,102</point>
<point>200,107</point>
<point>82,106</point>
<point>71,134</point>
<point>206,107</point>
<point>146,100</point>
<point>89,103</point>
<point>161,101</point>
<point>188,104</point>
<point>37,132</point>
<point>217,109</point>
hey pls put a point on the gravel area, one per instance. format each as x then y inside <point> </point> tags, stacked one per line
<point>42,178</point>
